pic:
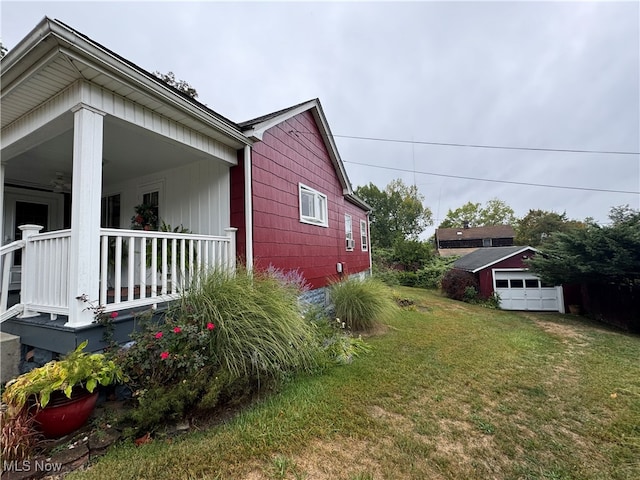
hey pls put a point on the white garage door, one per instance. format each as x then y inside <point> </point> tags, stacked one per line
<point>524,291</point>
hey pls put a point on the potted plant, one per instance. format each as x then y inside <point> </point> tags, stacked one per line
<point>61,394</point>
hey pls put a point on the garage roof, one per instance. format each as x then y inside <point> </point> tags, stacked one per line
<point>485,257</point>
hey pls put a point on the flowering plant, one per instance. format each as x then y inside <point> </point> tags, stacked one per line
<point>169,352</point>
<point>145,218</point>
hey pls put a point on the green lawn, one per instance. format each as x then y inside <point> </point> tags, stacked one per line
<point>449,390</point>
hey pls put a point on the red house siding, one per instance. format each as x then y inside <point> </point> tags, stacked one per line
<point>290,153</point>
<point>485,276</point>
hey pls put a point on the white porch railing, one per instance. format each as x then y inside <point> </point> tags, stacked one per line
<point>140,267</point>
<point>137,268</point>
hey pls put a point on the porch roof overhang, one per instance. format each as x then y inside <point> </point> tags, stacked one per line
<point>53,56</point>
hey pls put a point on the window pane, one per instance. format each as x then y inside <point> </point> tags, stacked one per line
<point>502,283</point>
<point>517,283</point>
<point>307,204</point>
<point>319,212</point>
<point>531,283</point>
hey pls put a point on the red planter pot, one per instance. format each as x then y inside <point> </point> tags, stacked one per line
<point>64,415</point>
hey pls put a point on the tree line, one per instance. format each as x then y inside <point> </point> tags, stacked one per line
<point>572,251</point>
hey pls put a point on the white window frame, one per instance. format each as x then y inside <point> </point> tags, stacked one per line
<point>348,232</point>
<point>364,237</point>
<point>320,214</point>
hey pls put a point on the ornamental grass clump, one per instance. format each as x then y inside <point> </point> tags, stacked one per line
<point>259,327</point>
<point>229,336</point>
<point>362,303</point>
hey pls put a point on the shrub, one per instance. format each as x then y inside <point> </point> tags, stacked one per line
<point>470,295</point>
<point>230,335</point>
<point>430,276</point>
<point>360,303</point>
<point>455,283</point>
<point>387,275</point>
<point>412,254</point>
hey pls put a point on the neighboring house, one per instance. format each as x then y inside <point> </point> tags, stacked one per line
<point>305,215</point>
<point>503,270</point>
<point>460,241</point>
<point>87,136</point>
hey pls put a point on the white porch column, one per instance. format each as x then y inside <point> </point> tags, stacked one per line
<point>2,167</point>
<point>84,261</point>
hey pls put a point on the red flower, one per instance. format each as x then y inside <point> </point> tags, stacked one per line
<point>114,314</point>
<point>139,219</point>
<point>164,355</point>
<point>177,329</point>
<point>158,335</point>
<point>210,326</point>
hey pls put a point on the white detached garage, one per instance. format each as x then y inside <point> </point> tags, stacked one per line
<point>503,270</point>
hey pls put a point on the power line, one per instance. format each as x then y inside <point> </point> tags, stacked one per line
<point>566,187</point>
<point>495,147</point>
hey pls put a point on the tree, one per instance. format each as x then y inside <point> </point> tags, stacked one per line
<point>495,212</point>
<point>538,225</point>
<point>594,254</point>
<point>398,212</point>
<point>181,85</point>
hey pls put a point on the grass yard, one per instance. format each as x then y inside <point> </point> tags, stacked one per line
<point>449,390</point>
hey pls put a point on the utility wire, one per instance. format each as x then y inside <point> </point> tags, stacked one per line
<point>493,180</point>
<point>473,145</point>
<point>495,147</point>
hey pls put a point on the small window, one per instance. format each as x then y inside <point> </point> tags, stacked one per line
<point>502,283</point>
<point>517,283</point>
<point>152,199</point>
<point>547,285</point>
<point>531,283</point>
<point>348,232</point>
<point>364,240</point>
<point>110,212</point>
<point>487,242</point>
<point>313,206</point>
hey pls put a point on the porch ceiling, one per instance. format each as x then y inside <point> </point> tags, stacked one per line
<point>128,152</point>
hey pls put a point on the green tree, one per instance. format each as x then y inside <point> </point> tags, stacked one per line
<point>594,254</point>
<point>494,212</point>
<point>184,87</point>
<point>398,212</point>
<point>538,225</point>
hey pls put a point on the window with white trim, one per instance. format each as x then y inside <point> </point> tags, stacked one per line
<point>348,232</point>
<point>364,240</point>
<point>313,206</point>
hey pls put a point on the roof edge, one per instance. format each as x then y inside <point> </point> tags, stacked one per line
<point>504,258</point>
<point>255,131</point>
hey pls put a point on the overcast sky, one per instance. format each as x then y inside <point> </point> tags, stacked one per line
<point>538,75</point>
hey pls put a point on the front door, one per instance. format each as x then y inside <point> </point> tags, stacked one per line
<point>28,207</point>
